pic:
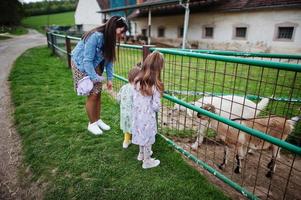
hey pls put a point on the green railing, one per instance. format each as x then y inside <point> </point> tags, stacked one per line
<point>262,63</point>
<point>288,58</point>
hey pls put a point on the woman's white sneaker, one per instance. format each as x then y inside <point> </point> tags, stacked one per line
<point>102,125</point>
<point>94,129</point>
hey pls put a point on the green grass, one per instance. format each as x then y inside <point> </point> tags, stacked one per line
<point>38,22</point>
<point>76,165</point>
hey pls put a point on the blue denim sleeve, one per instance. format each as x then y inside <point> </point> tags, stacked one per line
<point>89,55</point>
<point>109,70</point>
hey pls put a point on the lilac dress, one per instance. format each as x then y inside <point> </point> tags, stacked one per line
<point>144,127</point>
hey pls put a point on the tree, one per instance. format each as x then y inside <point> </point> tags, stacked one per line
<point>47,7</point>
<point>11,12</point>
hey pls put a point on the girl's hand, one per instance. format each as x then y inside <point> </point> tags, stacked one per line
<point>110,85</point>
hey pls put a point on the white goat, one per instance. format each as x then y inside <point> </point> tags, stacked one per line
<point>275,126</point>
<point>228,106</point>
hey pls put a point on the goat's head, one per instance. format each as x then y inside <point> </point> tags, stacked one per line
<point>208,107</point>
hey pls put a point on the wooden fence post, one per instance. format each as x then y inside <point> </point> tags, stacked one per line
<point>52,43</point>
<point>68,49</point>
<point>47,36</point>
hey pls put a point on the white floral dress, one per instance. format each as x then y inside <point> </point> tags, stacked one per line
<point>125,97</point>
<point>144,128</point>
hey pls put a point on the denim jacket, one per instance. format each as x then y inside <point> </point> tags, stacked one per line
<point>88,54</point>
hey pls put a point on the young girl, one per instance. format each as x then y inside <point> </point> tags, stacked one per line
<point>94,52</point>
<point>125,97</point>
<point>147,92</point>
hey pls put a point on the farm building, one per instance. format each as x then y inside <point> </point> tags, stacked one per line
<point>245,25</point>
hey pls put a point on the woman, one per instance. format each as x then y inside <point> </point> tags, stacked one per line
<point>94,52</point>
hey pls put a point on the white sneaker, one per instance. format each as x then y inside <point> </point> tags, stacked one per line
<point>102,125</point>
<point>126,144</point>
<point>150,163</point>
<point>140,156</point>
<point>94,129</point>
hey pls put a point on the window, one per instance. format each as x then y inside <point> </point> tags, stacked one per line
<point>161,32</point>
<point>143,31</point>
<point>180,32</point>
<point>208,31</point>
<point>285,31</point>
<point>241,32</point>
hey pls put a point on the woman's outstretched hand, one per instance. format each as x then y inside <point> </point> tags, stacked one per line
<point>110,85</point>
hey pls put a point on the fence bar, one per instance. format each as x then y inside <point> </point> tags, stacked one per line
<point>131,46</point>
<point>245,54</point>
<point>250,97</point>
<point>60,49</point>
<point>120,78</point>
<point>261,63</point>
<point>58,35</point>
<point>73,38</point>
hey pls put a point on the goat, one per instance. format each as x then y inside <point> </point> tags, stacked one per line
<point>278,127</point>
<point>228,106</point>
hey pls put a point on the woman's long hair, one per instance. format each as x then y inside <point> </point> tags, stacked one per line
<point>109,32</point>
<point>149,75</point>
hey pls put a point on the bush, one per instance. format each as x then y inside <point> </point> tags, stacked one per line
<point>49,7</point>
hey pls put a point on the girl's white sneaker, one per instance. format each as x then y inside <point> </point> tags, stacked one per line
<point>125,144</point>
<point>102,125</point>
<point>140,156</point>
<point>94,129</point>
<point>150,163</point>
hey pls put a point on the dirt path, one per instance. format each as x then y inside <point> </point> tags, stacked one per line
<point>10,144</point>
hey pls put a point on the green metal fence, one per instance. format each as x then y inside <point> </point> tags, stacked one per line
<point>285,58</point>
<point>190,78</point>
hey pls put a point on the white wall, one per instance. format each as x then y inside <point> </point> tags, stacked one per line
<point>86,14</point>
<point>260,34</point>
